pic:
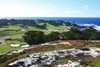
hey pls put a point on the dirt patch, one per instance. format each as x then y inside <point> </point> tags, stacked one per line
<point>76,42</point>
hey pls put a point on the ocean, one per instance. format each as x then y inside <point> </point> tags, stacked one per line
<point>78,20</point>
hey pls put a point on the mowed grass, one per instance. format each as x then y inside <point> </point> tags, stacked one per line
<point>10,28</point>
<point>6,47</point>
<point>60,27</point>
<point>49,26</point>
<point>40,23</point>
<point>63,26</point>
<point>31,28</point>
<point>11,34</point>
<point>13,31</point>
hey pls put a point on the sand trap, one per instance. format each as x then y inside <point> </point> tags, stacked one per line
<point>15,45</point>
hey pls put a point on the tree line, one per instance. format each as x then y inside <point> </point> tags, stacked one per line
<point>26,22</point>
<point>37,37</point>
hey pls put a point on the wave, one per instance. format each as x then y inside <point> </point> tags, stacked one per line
<point>97,27</point>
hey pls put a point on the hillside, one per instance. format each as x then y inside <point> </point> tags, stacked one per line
<point>15,33</point>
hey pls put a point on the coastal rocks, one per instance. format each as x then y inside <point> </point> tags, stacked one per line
<point>70,64</point>
<point>47,58</point>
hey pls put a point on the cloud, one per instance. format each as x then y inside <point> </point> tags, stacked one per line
<point>9,10</point>
<point>97,12</point>
<point>57,11</point>
<point>70,12</point>
<point>86,7</point>
<point>52,8</point>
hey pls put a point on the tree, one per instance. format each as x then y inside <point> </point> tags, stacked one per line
<point>73,34</point>
<point>95,36</point>
<point>68,35</point>
<point>52,36</point>
<point>87,33</point>
<point>34,37</point>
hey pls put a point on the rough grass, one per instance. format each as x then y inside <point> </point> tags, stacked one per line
<point>15,56</point>
<point>34,50</point>
<point>94,45</point>
<point>94,62</point>
<point>44,48</point>
<point>39,48</point>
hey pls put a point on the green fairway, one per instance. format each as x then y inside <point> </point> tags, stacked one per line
<point>63,26</point>
<point>6,47</point>
<point>10,28</point>
<point>17,33</point>
<point>13,31</point>
<point>40,23</point>
<point>60,27</point>
<point>11,34</point>
<point>31,28</point>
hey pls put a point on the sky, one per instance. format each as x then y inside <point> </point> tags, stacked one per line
<point>49,8</point>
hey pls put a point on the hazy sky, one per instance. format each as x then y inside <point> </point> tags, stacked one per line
<point>49,8</point>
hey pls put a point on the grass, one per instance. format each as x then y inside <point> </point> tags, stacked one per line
<point>66,59</point>
<point>12,31</point>
<point>4,33</point>
<point>10,28</point>
<point>6,47</point>
<point>18,35</point>
<point>44,48</point>
<point>30,51</point>
<point>11,34</point>
<point>40,23</point>
<point>32,28</point>
<point>60,27</point>
<point>94,62</point>
<point>63,26</point>
<point>93,45</point>
<point>11,58</point>
<point>49,26</point>
<point>15,32</point>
